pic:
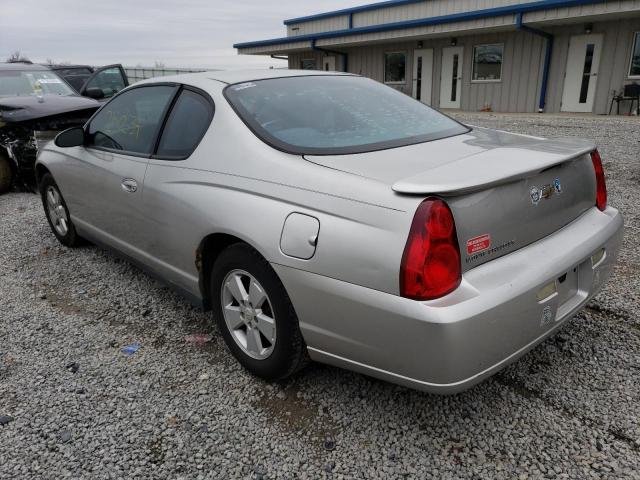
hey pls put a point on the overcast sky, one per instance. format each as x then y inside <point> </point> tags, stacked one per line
<point>198,33</point>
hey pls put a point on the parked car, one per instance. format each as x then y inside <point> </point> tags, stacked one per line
<point>327,215</point>
<point>98,83</point>
<point>35,104</point>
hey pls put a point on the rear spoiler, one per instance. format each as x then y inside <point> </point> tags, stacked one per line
<point>494,167</point>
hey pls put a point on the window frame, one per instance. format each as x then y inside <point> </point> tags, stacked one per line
<point>178,87</point>
<point>634,38</point>
<point>87,126</point>
<point>165,120</point>
<point>473,63</point>
<point>384,66</point>
<point>98,71</point>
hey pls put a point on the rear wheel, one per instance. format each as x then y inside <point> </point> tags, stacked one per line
<point>255,315</point>
<point>57,213</point>
<point>6,174</point>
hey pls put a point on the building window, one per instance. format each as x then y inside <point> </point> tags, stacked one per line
<point>634,67</point>
<point>395,67</point>
<point>487,63</point>
<point>308,64</point>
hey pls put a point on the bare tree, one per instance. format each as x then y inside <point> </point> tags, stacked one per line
<point>17,56</point>
<point>159,64</point>
<point>50,61</point>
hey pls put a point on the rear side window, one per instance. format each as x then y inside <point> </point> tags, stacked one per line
<point>187,123</point>
<point>130,122</point>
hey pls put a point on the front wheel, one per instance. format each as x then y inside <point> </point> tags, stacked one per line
<point>255,315</point>
<point>57,213</point>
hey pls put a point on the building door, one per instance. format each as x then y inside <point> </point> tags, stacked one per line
<point>581,75</point>
<point>451,77</point>
<point>329,64</point>
<point>422,74</point>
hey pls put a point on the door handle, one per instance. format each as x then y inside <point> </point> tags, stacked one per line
<point>129,185</point>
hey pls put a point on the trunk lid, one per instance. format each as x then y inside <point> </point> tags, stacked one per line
<point>506,191</point>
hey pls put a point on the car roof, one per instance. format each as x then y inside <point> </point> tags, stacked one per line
<point>13,66</point>
<point>237,76</point>
<point>63,67</point>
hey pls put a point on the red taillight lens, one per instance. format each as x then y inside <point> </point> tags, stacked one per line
<point>431,261</point>
<point>601,186</point>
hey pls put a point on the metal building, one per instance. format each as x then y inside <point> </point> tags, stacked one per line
<point>503,55</point>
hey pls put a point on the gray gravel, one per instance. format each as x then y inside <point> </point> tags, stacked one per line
<point>73,405</point>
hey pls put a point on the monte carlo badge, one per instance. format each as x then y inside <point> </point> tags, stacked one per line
<point>545,191</point>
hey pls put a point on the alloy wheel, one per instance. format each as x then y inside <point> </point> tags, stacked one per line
<point>248,314</point>
<point>57,212</point>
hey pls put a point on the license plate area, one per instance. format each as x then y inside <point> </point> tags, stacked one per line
<point>565,293</point>
<point>573,288</point>
<point>567,285</point>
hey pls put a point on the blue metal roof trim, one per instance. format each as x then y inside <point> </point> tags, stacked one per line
<point>352,10</point>
<point>421,22</point>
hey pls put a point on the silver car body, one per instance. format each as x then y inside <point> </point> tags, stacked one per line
<point>334,230</point>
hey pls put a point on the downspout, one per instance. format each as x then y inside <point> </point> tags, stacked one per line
<point>547,58</point>
<point>345,57</point>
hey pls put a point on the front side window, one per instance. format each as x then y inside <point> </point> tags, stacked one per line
<point>16,83</point>
<point>487,63</point>
<point>187,123</point>
<point>395,67</point>
<point>634,68</point>
<point>339,114</point>
<point>130,122</point>
<point>109,80</point>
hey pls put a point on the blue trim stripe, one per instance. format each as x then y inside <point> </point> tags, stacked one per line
<point>547,58</point>
<point>351,11</point>
<point>421,22</point>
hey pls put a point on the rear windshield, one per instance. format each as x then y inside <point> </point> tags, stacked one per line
<point>328,115</point>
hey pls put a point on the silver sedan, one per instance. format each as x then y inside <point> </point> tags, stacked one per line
<point>329,217</point>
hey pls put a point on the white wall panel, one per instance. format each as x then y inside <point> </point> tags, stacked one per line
<point>519,88</point>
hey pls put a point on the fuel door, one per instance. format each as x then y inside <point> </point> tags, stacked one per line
<point>300,236</point>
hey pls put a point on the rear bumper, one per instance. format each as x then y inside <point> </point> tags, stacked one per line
<point>450,344</point>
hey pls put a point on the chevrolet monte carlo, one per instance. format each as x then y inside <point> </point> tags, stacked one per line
<point>327,216</point>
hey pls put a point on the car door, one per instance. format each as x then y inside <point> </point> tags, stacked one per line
<point>105,82</point>
<point>105,177</point>
<point>169,189</point>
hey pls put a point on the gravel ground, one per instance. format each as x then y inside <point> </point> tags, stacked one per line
<point>80,408</point>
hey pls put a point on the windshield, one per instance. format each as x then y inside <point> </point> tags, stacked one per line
<point>16,83</point>
<point>323,115</point>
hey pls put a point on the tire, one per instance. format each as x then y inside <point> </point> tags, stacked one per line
<point>6,174</point>
<point>58,214</point>
<point>277,355</point>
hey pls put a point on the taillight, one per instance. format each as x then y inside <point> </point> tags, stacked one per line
<point>601,186</point>
<point>431,261</point>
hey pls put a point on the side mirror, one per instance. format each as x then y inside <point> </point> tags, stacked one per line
<point>94,92</point>
<point>72,137</point>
